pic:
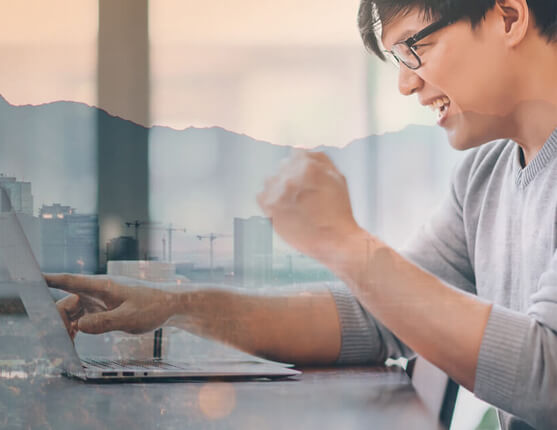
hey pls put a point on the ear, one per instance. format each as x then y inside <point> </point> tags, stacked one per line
<point>515,17</point>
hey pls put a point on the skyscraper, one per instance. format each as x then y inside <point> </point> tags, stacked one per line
<point>122,248</point>
<point>253,251</point>
<point>69,240</point>
<point>19,194</point>
<point>18,197</point>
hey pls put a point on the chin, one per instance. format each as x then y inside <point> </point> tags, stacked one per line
<point>465,135</point>
<point>461,142</point>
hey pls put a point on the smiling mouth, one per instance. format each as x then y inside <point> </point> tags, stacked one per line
<point>441,106</point>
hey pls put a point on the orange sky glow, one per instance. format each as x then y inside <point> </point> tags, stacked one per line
<point>288,72</point>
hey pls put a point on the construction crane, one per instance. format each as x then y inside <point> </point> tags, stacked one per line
<point>211,237</point>
<point>136,224</point>
<point>169,230</point>
<point>156,226</point>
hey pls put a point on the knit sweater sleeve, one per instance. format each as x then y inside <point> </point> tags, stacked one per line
<point>517,365</point>
<point>364,340</point>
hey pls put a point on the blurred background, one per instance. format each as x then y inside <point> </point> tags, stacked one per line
<point>142,130</point>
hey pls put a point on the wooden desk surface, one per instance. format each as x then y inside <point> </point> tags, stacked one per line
<point>340,398</point>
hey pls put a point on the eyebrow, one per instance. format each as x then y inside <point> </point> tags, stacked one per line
<point>406,35</point>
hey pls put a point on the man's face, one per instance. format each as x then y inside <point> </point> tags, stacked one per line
<point>465,74</point>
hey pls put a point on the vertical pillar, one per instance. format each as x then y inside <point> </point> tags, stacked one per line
<point>123,90</point>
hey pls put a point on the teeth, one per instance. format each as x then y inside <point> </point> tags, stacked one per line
<point>439,104</point>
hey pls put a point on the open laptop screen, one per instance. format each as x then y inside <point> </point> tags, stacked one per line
<point>29,318</point>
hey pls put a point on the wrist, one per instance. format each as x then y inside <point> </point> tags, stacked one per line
<point>173,304</point>
<point>183,307</point>
<point>353,258</point>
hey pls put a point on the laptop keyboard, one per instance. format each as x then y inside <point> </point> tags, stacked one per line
<point>129,364</point>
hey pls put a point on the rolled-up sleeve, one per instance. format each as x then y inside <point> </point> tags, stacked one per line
<point>517,365</point>
<point>364,340</point>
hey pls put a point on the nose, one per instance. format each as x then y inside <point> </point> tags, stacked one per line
<point>408,81</point>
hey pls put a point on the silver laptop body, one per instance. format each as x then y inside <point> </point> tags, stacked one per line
<point>20,276</point>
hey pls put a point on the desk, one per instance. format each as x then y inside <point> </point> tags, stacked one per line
<point>339,398</point>
<point>335,398</point>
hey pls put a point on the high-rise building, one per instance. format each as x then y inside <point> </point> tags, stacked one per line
<point>253,251</point>
<point>53,236</point>
<point>69,240</point>
<point>19,194</point>
<point>82,243</point>
<point>5,205</point>
<point>122,248</point>
<point>32,230</point>
<point>17,197</point>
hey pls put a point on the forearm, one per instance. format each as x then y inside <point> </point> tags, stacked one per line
<point>290,325</point>
<point>443,324</point>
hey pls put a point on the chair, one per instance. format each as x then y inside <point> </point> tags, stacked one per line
<point>437,390</point>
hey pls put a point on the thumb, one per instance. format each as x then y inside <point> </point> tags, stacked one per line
<point>101,322</point>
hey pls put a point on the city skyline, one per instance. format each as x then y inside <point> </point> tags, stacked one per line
<point>64,240</point>
<point>202,178</point>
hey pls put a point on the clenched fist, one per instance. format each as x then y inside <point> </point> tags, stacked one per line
<point>309,204</point>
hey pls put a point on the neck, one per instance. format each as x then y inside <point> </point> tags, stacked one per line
<point>535,122</point>
<point>534,117</point>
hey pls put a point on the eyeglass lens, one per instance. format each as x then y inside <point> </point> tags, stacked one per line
<point>406,55</point>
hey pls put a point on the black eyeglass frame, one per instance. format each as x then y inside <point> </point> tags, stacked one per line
<point>422,34</point>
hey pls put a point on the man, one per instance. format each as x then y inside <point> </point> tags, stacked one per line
<point>475,292</point>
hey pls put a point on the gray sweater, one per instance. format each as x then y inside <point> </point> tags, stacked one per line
<point>495,236</point>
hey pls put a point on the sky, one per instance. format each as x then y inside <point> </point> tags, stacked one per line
<point>289,72</point>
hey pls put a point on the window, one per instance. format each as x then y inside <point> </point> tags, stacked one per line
<point>48,158</point>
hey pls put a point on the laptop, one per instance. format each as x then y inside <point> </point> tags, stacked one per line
<point>21,277</point>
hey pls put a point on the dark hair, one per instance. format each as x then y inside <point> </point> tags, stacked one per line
<point>374,14</point>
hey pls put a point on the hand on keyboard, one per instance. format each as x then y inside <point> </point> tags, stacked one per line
<point>98,304</point>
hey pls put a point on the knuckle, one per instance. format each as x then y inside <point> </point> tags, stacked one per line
<point>105,323</point>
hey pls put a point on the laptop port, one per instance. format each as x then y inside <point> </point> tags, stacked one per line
<point>110,373</point>
<point>128,373</point>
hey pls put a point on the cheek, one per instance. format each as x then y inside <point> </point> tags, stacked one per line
<point>474,79</point>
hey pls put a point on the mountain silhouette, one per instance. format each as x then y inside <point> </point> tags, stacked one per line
<point>203,177</point>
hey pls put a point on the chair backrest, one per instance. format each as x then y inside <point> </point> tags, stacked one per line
<point>437,390</point>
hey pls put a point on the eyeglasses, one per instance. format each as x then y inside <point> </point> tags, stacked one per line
<point>405,52</point>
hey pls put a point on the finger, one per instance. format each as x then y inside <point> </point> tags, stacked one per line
<point>73,329</point>
<point>71,305</point>
<point>94,285</point>
<point>64,317</point>
<point>102,322</point>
